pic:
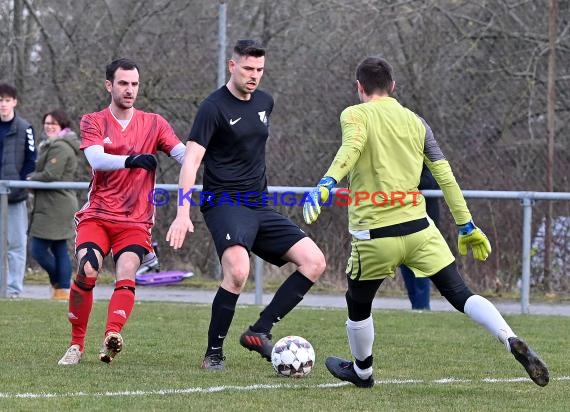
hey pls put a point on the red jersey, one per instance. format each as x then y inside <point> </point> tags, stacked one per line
<point>122,195</point>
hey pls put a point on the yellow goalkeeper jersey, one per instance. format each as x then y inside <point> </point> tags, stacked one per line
<point>383,148</point>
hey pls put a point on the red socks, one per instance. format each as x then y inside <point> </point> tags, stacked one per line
<point>120,306</point>
<point>80,304</point>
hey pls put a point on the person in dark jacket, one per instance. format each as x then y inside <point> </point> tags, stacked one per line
<point>51,223</point>
<point>17,161</point>
<point>419,288</point>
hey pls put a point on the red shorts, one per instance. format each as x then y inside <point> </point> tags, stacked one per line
<point>112,236</point>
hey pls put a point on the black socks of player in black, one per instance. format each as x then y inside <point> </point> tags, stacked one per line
<point>289,294</point>
<point>223,309</point>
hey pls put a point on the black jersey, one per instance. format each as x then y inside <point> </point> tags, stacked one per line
<point>234,133</point>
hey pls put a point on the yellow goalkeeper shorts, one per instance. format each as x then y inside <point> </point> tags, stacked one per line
<point>425,252</point>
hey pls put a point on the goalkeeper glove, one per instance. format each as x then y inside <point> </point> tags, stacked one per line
<point>312,207</point>
<point>144,161</point>
<point>471,235</point>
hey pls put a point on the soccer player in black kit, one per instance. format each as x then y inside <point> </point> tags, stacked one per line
<point>230,132</point>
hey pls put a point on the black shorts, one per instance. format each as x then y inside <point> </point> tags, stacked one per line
<point>261,230</point>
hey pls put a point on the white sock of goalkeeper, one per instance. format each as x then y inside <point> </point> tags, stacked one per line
<point>360,339</point>
<point>486,314</point>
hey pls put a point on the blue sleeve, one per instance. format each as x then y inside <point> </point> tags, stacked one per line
<point>30,154</point>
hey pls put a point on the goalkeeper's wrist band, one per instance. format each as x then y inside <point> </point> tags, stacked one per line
<point>328,182</point>
<point>466,228</point>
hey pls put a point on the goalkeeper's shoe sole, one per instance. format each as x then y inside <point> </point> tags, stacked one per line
<point>344,370</point>
<point>259,342</point>
<point>535,367</point>
<point>112,345</point>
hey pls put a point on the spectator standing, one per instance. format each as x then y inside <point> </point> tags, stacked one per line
<point>17,161</point>
<point>51,223</point>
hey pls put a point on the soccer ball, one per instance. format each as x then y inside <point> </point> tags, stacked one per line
<point>293,356</point>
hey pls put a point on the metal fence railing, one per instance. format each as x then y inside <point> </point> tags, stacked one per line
<point>527,200</point>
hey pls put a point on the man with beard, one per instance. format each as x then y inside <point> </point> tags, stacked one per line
<point>120,143</point>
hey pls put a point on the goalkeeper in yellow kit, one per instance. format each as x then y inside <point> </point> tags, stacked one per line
<point>384,146</point>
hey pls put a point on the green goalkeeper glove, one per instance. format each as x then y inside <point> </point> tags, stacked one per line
<point>471,235</point>
<point>312,206</point>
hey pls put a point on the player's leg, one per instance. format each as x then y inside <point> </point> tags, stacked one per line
<point>310,263</point>
<point>432,255</point>
<point>129,243</point>
<point>233,230</point>
<point>370,262</point>
<point>280,241</point>
<point>360,332</point>
<point>451,285</point>
<point>235,270</point>
<point>92,244</point>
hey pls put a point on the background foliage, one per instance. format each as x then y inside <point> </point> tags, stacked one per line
<point>475,70</point>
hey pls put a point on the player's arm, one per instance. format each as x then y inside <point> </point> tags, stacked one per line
<point>469,234</point>
<point>442,173</point>
<point>182,224</point>
<point>99,160</point>
<point>354,138</point>
<point>168,142</point>
<point>92,145</point>
<point>177,153</point>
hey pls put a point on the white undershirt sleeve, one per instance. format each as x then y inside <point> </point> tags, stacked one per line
<point>99,160</point>
<point>177,153</point>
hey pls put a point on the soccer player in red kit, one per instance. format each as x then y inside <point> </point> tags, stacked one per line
<point>120,143</point>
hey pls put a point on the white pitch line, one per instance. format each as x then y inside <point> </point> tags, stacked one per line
<point>213,389</point>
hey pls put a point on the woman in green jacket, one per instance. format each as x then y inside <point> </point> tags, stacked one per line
<point>51,223</point>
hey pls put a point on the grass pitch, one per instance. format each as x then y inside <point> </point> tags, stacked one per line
<point>423,362</point>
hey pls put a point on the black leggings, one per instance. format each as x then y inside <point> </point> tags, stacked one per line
<point>452,286</point>
<point>448,281</point>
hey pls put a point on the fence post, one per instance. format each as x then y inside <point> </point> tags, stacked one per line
<point>258,280</point>
<point>527,203</point>
<point>4,190</point>
<point>221,80</point>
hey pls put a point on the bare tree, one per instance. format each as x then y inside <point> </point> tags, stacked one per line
<point>551,121</point>
<point>478,72</point>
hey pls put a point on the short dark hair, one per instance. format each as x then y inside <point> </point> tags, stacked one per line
<point>60,117</point>
<point>249,48</point>
<point>122,63</point>
<point>375,75</point>
<point>7,90</point>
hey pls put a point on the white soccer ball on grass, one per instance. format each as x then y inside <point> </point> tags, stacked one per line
<point>293,356</point>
